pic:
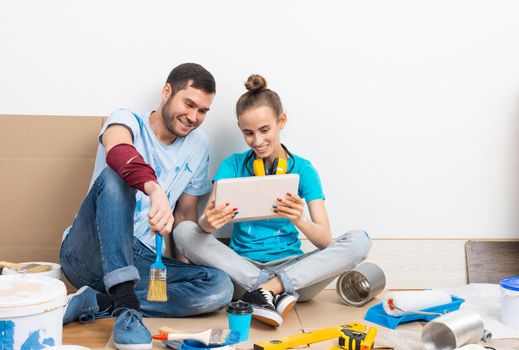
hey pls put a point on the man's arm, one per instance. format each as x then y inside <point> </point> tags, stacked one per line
<point>160,217</point>
<point>114,135</point>
<point>186,209</point>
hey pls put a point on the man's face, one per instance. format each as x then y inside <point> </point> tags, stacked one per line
<point>186,110</point>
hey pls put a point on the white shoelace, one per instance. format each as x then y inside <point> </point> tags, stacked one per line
<point>267,295</point>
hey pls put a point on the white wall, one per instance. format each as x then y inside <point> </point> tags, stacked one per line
<point>409,109</point>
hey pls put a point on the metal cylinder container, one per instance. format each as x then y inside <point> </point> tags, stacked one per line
<point>453,330</point>
<point>358,286</point>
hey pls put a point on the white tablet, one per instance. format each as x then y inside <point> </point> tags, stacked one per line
<point>254,196</point>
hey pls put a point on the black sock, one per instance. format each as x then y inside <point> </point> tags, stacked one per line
<point>123,296</point>
<point>104,302</point>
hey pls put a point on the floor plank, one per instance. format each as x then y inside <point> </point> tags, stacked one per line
<point>94,335</point>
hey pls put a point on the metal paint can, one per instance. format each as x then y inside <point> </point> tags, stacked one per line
<point>358,286</point>
<point>453,330</point>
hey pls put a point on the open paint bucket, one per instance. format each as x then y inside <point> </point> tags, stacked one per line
<point>67,347</point>
<point>510,301</point>
<point>54,272</point>
<point>31,311</point>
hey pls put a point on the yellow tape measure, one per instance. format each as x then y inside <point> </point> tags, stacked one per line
<point>349,336</point>
<point>300,339</point>
<point>355,337</point>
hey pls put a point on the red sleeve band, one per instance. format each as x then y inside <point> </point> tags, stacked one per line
<point>127,162</point>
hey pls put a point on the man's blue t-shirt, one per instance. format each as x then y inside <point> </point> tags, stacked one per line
<point>180,167</point>
<point>268,240</point>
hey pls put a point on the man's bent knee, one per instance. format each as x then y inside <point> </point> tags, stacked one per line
<point>222,292</point>
<point>110,180</point>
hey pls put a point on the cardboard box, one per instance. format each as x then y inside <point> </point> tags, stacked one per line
<point>46,163</point>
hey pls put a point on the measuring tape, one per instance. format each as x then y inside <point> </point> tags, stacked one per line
<point>341,332</point>
<point>355,337</point>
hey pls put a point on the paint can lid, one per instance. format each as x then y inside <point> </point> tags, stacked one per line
<point>239,307</point>
<point>27,294</point>
<point>511,283</point>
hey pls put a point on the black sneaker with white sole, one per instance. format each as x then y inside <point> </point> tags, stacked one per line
<point>262,302</point>
<point>284,303</point>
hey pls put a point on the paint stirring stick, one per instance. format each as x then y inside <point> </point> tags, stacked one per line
<point>158,273</point>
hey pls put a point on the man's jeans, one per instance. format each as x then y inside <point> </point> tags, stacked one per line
<point>304,276</point>
<point>100,251</point>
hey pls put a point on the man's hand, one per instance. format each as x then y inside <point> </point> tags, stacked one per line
<point>160,216</point>
<point>216,216</point>
<point>291,207</point>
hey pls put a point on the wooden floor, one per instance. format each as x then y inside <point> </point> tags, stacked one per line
<point>325,311</point>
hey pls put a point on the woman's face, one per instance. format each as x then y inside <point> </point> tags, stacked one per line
<point>261,128</point>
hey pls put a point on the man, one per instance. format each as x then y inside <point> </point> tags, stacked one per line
<point>150,169</point>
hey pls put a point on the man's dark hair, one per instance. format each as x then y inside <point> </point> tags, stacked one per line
<point>199,77</point>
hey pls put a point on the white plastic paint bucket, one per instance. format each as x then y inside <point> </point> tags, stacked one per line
<point>67,347</point>
<point>54,272</point>
<point>510,301</point>
<point>31,311</point>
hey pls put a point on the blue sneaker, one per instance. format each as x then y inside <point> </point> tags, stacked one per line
<point>130,333</point>
<point>82,306</point>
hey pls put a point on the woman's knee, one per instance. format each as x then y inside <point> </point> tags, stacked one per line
<point>186,233</point>
<point>356,241</point>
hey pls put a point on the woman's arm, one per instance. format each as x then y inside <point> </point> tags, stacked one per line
<point>317,228</point>
<point>214,217</point>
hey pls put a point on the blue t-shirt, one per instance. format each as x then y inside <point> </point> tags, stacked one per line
<point>268,240</point>
<point>180,167</point>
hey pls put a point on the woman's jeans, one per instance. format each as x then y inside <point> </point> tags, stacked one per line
<point>303,276</point>
<point>100,251</point>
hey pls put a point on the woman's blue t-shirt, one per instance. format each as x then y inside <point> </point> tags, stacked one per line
<point>268,240</point>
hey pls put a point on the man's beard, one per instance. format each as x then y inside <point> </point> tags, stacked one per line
<point>168,125</point>
<point>166,120</point>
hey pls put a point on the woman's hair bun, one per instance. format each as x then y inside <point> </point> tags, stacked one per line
<point>255,83</point>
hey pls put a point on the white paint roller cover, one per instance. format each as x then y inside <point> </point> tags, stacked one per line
<point>414,300</point>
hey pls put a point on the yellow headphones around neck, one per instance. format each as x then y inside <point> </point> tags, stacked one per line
<point>261,168</point>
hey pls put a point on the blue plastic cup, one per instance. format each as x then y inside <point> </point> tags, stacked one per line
<point>239,314</point>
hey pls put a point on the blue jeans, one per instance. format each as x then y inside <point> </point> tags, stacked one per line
<point>100,251</point>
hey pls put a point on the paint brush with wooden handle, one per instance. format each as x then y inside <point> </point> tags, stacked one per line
<point>157,287</point>
<point>208,337</point>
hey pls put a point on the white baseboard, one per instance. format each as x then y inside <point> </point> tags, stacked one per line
<point>417,263</point>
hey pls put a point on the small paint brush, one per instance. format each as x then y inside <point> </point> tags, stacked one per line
<point>208,337</point>
<point>157,288</point>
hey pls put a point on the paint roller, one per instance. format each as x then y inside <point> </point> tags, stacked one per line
<point>405,302</point>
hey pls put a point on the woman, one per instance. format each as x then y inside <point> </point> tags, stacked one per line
<point>264,258</point>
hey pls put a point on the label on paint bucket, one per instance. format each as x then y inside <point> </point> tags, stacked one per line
<point>31,311</point>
